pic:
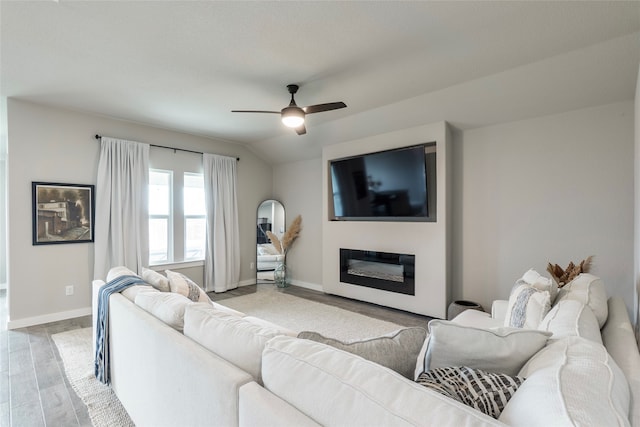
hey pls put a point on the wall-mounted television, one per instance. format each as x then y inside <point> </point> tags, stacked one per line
<point>391,185</point>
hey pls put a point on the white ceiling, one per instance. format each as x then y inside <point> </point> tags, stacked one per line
<point>184,65</point>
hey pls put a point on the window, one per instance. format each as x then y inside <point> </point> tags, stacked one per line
<point>177,216</point>
<point>160,219</point>
<point>194,217</point>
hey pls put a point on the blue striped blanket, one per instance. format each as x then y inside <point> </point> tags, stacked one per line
<point>101,362</point>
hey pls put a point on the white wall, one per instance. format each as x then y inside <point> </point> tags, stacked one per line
<point>550,189</point>
<point>636,234</point>
<point>298,186</point>
<point>54,145</point>
<point>426,240</point>
<point>3,193</point>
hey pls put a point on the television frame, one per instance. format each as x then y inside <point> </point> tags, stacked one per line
<point>430,164</point>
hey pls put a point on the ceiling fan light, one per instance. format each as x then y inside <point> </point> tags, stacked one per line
<point>293,117</point>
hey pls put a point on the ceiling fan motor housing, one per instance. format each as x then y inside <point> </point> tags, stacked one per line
<point>292,116</point>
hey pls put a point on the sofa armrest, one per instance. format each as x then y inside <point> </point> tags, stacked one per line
<point>619,339</point>
<point>260,407</point>
<point>499,309</point>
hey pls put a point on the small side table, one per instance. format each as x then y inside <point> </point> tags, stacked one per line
<point>459,306</point>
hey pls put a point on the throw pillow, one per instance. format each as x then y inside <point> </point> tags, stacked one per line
<point>397,351</point>
<point>156,280</point>
<point>527,306</point>
<point>589,290</point>
<point>181,284</point>
<point>541,283</point>
<point>484,391</point>
<point>500,350</point>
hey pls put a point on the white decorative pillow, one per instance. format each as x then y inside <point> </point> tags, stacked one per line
<point>398,350</point>
<point>236,339</point>
<point>181,284</point>
<point>500,350</point>
<point>527,307</point>
<point>533,278</point>
<point>156,280</point>
<point>589,290</point>
<point>486,392</point>
<point>571,318</point>
<point>118,271</point>
<point>166,306</point>
<point>570,382</point>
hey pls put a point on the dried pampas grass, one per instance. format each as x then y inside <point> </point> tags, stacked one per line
<point>562,277</point>
<point>282,246</point>
<point>275,241</point>
<point>292,233</point>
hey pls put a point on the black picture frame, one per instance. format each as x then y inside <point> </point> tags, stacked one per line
<point>62,213</point>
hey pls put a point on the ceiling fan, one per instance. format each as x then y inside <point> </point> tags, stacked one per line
<point>293,116</point>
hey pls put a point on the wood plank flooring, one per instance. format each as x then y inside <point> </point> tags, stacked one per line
<point>35,392</point>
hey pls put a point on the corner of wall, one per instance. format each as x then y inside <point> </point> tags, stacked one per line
<point>636,275</point>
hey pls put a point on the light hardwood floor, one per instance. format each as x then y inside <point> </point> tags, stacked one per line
<point>35,392</point>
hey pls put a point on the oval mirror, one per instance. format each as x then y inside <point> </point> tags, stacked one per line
<point>270,217</point>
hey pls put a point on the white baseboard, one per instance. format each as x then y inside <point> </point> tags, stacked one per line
<point>313,286</point>
<point>247,282</point>
<point>47,318</point>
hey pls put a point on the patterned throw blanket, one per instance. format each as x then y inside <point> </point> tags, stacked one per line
<point>101,362</point>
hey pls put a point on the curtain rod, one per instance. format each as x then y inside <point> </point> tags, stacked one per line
<point>171,148</point>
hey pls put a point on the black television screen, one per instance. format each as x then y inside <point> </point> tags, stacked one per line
<point>392,185</point>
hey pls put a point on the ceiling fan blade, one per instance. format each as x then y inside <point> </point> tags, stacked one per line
<point>324,107</point>
<point>301,130</point>
<point>254,111</point>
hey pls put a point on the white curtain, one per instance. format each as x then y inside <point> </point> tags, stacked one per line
<point>222,257</point>
<point>122,207</point>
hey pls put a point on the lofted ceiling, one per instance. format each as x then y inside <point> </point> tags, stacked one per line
<point>184,65</point>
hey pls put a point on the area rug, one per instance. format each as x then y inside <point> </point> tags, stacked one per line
<point>299,314</point>
<point>76,351</point>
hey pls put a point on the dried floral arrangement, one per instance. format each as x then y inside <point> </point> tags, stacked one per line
<point>562,277</point>
<point>292,233</point>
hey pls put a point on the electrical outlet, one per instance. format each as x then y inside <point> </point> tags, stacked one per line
<point>251,265</point>
<point>68,290</point>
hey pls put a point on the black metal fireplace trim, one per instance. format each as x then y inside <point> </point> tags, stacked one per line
<point>408,261</point>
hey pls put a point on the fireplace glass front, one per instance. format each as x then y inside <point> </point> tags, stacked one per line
<point>379,270</point>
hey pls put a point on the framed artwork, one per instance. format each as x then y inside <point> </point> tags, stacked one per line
<point>62,213</point>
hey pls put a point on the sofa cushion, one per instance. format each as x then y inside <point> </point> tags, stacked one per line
<point>181,284</point>
<point>226,309</point>
<point>236,339</point>
<point>589,290</point>
<point>486,392</point>
<point>397,351</point>
<point>500,350</point>
<point>527,306</point>
<point>334,387</point>
<point>118,271</point>
<point>166,306</point>
<point>573,381</point>
<point>571,318</point>
<point>156,280</point>
<point>131,292</point>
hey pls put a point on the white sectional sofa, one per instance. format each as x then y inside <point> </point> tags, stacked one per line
<point>227,369</point>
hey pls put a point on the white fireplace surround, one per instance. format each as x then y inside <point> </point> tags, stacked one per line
<point>427,240</point>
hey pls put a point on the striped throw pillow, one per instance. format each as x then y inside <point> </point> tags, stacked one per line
<point>485,391</point>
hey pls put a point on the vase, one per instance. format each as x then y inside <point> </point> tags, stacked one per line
<point>281,275</point>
